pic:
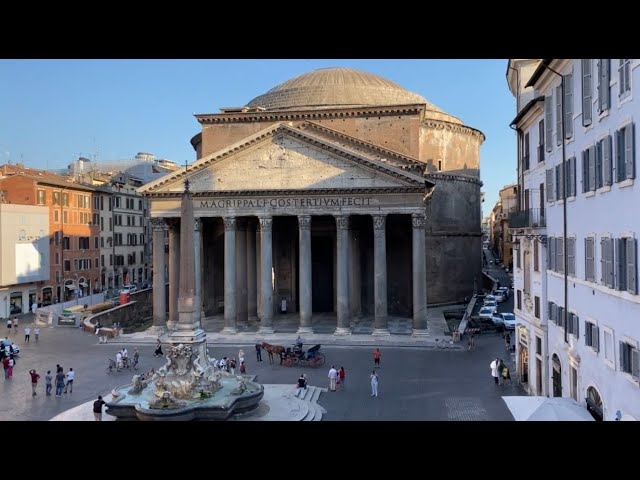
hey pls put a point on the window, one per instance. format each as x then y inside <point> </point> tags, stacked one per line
<point>588,170</point>
<point>550,185</point>
<point>571,177</point>
<point>604,79</point>
<point>101,242</point>
<point>110,259</point>
<point>536,266</point>
<point>536,307</point>
<point>608,345</point>
<point>67,265</point>
<point>75,264</point>
<point>56,198</point>
<point>586,92</point>
<point>625,153</point>
<point>551,255</point>
<point>65,199</point>
<point>539,345</point>
<point>110,224</point>
<point>519,298</point>
<point>56,216</point>
<point>559,115</point>
<point>66,243</point>
<point>541,141</point>
<point>603,170</point>
<point>624,76</point>
<point>96,203</point>
<point>606,261</point>
<point>573,326</point>
<point>629,360</point>
<point>560,193</point>
<point>589,259</point>
<point>95,242</point>
<point>65,217</point>
<point>592,336</point>
<point>41,197</point>
<point>517,255</point>
<point>139,204</point>
<point>624,266</point>
<point>96,219</point>
<point>525,152</point>
<point>57,259</point>
<point>571,256</point>
<point>560,255</point>
<point>101,261</point>
<point>560,316</point>
<point>568,105</point>
<point>141,257</point>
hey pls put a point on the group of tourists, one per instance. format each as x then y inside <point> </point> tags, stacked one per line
<point>500,372</point>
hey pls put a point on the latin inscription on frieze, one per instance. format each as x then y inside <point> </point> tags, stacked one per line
<point>286,202</point>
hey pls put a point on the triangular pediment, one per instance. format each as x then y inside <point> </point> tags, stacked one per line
<point>284,158</point>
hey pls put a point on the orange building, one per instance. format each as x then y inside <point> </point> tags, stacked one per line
<point>74,232</point>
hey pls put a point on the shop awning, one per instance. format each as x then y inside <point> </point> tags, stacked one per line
<point>71,287</point>
<point>82,284</point>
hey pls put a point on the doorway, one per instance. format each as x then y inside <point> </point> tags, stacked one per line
<point>322,273</point>
<point>557,376</point>
<point>594,404</point>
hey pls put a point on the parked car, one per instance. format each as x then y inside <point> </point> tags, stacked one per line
<point>509,320</point>
<point>486,313</point>
<point>128,289</point>
<point>505,290</point>
<point>498,322</point>
<point>489,298</point>
<point>492,305</point>
<point>500,296</point>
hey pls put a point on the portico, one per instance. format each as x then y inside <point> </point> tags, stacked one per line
<point>339,233</point>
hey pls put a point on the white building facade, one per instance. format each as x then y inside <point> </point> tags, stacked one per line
<point>24,256</point>
<point>528,228</point>
<point>591,266</point>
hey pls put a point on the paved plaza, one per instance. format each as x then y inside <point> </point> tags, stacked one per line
<point>416,383</point>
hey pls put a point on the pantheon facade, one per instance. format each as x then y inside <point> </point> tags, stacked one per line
<point>336,192</point>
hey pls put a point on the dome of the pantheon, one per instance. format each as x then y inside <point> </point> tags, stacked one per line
<point>337,87</point>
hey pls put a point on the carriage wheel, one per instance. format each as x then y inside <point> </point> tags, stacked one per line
<point>288,362</point>
<point>295,360</point>
<point>315,361</point>
<point>320,357</point>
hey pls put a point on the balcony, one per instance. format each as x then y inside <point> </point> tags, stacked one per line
<point>532,218</point>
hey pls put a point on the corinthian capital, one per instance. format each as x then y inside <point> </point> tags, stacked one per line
<point>197,224</point>
<point>158,224</point>
<point>342,222</point>
<point>418,220</point>
<point>230,224</point>
<point>379,222</point>
<point>304,222</point>
<point>266,223</point>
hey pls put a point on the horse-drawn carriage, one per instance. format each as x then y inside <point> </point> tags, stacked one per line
<point>296,356</point>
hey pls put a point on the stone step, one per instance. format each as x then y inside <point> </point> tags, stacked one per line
<point>317,392</point>
<point>300,409</point>
<point>311,413</point>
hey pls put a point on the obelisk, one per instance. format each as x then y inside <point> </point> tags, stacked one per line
<point>188,329</point>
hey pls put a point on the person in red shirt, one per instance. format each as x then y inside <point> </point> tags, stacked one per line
<point>34,380</point>
<point>5,365</point>
<point>376,358</point>
<point>341,375</point>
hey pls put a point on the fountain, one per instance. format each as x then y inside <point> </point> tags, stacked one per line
<point>189,386</point>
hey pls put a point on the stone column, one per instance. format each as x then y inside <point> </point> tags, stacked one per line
<point>304,252</point>
<point>174,272</point>
<point>419,275</point>
<point>159,284</point>
<point>266,269</point>
<point>229,275</point>
<point>197,247</point>
<point>342,276</point>
<point>258,272</point>
<point>241,272</point>
<point>252,300</point>
<point>380,274</point>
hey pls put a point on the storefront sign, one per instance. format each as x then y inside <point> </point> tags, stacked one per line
<point>284,202</point>
<point>523,336</point>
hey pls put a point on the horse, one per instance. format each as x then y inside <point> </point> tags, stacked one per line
<point>274,349</point>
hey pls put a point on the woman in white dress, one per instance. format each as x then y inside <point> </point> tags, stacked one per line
<point>374,384</point>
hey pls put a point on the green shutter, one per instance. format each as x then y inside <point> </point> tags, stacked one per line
<point>632,269</point>
<point>606,80</point>
<point>592,167</point>
<point>568,105</point>
<point>629,153</point>
<point>548,112</point>
<point>585,171</point>
<point>586,92</point>
<point>606,161</point>
<point>559,115</point>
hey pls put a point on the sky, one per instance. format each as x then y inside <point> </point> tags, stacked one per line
<point>53,111</point>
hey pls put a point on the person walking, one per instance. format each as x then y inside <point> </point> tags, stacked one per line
<point>12,363</point>
<point>34,381</point>
<point>136,358</point>
<point>47,383</point>
<point>494,370</point>
<point>333,377</point>
<point>374,383</point>
<point>97,408</point>
<point>36,333</point>
<point>59,382</point>
<point>507,341</point>
<point>376,358</point>
<point>258,351</point>
<point>240,356</point>
<point>5,365</point>
<point>158,351</point>
<point>70,376</point>
<point>9,326</point>
<point>302,382</point>
<point>27,334</point>
<point>472,342</point>
<point>341,375</point>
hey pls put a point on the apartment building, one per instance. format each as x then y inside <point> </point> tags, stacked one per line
<point>73,238</point>
<point>579,216</point>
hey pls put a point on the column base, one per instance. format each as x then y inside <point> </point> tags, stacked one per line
<point>420,332</point>
<point>171,325</point>
<point>157,330</point>
<point>381,332</point>
<point>266,330</point>
<point>229,330</point>
<point>308,330</point>
<point>253,318</point>
<point>342,331</point>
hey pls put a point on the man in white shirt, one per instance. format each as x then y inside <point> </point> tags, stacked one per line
<point>70,376</point>
<point>118,361</point>
<point>333,376</point>
<point>494,369</point>
<point>27,334</point>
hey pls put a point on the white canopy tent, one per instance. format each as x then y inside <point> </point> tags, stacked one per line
<point>526,408</point>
